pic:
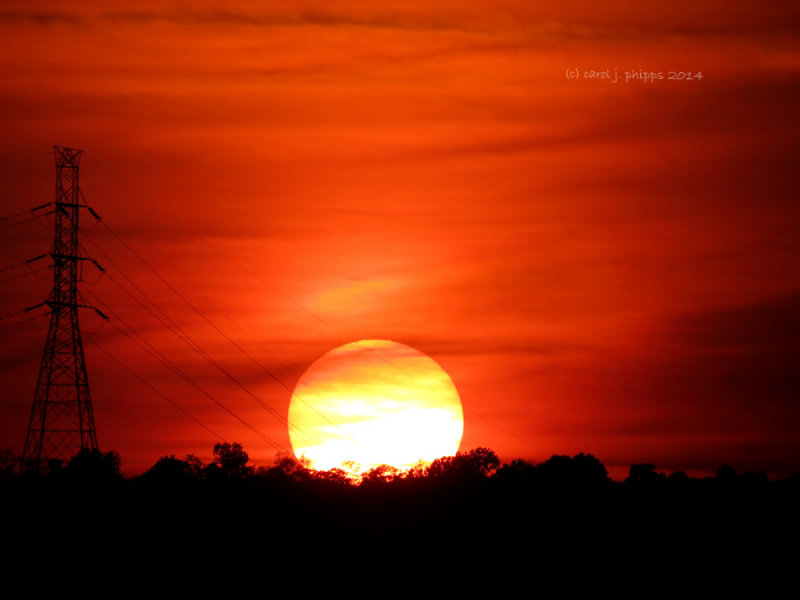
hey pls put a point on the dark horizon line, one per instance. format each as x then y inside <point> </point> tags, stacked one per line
<point>10,462</point>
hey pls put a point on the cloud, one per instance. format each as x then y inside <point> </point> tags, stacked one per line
<point>769,326</point>
<point>735,371</point>
<point>42,18</point>
<point>590,22</point>
<point>303,18</point>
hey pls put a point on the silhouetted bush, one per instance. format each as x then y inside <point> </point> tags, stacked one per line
<point>230,460</point>
<point>563,473</point>
<point>171,471</point>
<point>287,469</point>
<point>94,466</point>
<point>644,476</point>
<point>465,467</point>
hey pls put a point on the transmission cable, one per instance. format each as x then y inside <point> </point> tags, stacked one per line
<point>154,389</point>
<point>152,351</point>
<point>179,332</point>
<point>195,346</point>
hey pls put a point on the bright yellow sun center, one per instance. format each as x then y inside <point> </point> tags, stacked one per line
<point>371,403</point>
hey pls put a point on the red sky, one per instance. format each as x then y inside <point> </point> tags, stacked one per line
<point>601,267</point>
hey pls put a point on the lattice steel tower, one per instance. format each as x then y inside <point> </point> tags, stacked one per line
<point>62,422</point>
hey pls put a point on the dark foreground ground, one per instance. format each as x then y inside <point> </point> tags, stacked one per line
<point>467,516</point>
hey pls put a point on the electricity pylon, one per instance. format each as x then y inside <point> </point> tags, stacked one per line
<point>62,422</point>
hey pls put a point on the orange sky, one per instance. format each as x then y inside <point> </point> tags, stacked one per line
<point>601,267</point>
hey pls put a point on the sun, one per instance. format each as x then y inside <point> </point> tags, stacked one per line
<point>371,403</point>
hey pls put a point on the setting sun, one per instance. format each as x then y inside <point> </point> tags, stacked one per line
<point>374,402</point>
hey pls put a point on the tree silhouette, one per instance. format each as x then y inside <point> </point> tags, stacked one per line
<point>334,476</point>
<point>231,460</point>
<point>580,471</point>
<point>518,473</point>
<point>726,475</point>
<point>381,474</point>
<point>94,466</point>
<point>169,470</point>
<point>8,462</point>
<point>195,465</point>
<point>286,469</point>
<point>644,476</point>
<point>472,466</point>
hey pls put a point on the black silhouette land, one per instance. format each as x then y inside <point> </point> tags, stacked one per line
<point>470,508</point>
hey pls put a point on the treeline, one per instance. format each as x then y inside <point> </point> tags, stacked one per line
<point>231,468</point>
<point>455,502</point>
<point>476,476</point>
<point>480,467</point>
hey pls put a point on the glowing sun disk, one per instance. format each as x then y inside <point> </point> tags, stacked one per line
<point>374,402</point>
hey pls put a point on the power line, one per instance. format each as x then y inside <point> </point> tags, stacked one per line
<point>181,334</point>
<point>176,224</point>
<point>130,333</point>
<point>25,212</point>
<point>14,314</point>
<point>28,274</point>
<point>20,264</point>
<point>155,390</point>
<point>29,319</point>
<point>178,330</point>
<point>21,221</point>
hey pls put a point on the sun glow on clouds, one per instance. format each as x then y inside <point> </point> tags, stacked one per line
<point>344,297</point>
<point>374,402</point>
